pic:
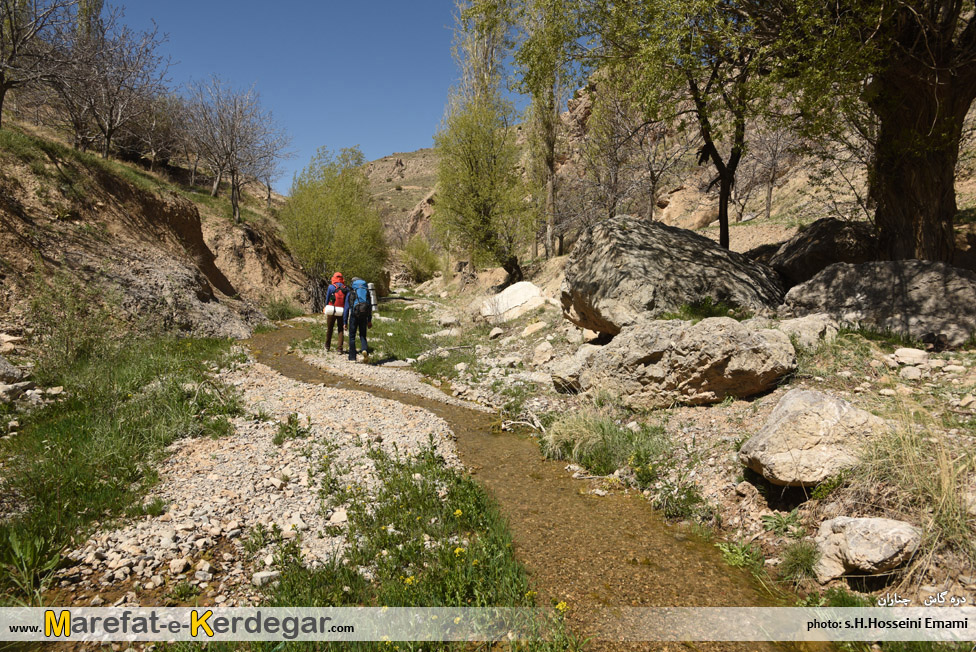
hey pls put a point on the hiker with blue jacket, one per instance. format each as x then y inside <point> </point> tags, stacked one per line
<point>358,315</point>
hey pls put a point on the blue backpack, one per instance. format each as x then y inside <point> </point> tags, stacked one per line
<point>359,299</point>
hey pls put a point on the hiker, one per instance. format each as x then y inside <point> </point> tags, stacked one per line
<point>358,316</point>
<point>335,301</point>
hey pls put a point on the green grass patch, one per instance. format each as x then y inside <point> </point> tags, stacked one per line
<point>596,441</point>
<point>704,308</point>
<point>739,554</point>
<point>788,524</point>
<point>291,428</point>
<point>279,309</point>
<point>799,558</point>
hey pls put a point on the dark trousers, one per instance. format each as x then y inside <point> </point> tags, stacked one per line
<point>330,321</point>
<point>353,326</point>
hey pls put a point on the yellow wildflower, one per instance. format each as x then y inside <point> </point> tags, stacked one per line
<point>562,607</point>
<point>458,512</point>
<point>458,551</point>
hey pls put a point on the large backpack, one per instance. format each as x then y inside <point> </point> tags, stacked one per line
<point>359,299</point>
<point>339,296</point>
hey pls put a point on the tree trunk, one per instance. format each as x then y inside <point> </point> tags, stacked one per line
<point>235,197</point>
<point>107,144</point>
<point>550,212</point>
<point>769,192</point>
<point>216,184</point>
<point>3,94</point>
<point>724,193</point>
<point>513,269</point>
<point>317,289</point>
<point>913,172</point>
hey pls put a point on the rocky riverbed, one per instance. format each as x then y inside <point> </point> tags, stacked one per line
<point>224,498</point>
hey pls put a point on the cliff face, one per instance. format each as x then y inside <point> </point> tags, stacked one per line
<point>134,236</point>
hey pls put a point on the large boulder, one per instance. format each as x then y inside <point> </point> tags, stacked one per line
<point>808,438</point>
<point>10,373</point>
<point>566,371</point>
<point>822,244</point>
<point>512,302</point>
<point>626,267</point>
<point>910,297</point>
<point>660,363</point>
<point>863,546</point>
<point>809,332</point>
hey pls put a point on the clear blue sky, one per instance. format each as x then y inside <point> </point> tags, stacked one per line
<point>336,74</point>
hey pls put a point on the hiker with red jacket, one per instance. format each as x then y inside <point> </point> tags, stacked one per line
<point>335,301</point>
<point>359,316</point>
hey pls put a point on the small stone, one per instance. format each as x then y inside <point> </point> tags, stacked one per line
<point>339,516</point>
<point>204,565</point>
<point>887,392</point>
<point>954,369</point>
<point>967,401</point>
<point>97,601</point>
<point>910,373</point>
<point>495,333</point>
<point>532,329</point>
<point>264,577</point>
<point>178,566</point>
<point>910,356</point>
<point>202,576</point>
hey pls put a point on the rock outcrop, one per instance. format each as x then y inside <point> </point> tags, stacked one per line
<point>863,546</point>
<point>809,437</point>
<point>10,373</point>
<point>660,363</point>
<point>910,297</point>
<point>566,371</point>
<point>625,267</point>
<point>822,244</point>
<point>512,302</point>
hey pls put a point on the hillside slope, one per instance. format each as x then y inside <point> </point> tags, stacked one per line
<point>163,253</point>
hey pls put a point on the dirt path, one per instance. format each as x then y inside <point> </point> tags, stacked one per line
<point>586,550</point>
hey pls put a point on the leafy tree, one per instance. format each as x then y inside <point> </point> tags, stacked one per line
<point>481,207</point>
<point>705,53</point>
<point>541,58</point>
<point>329,222</point>
<point>913,64</point>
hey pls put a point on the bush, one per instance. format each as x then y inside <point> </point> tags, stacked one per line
<point>799,558</point>
<point>420,259</point>
<point>279,308</point>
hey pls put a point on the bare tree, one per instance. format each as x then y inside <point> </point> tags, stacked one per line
<point>26,28</point>
<point>235,136</point>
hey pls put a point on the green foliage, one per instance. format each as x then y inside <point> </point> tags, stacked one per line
<point>292,428</point>
<point>480,209</point>
<point>827,487</point>
<point>183,591</point>
<point>279,308</point>
<point>594,440</point>
<point>680,499</point>
<point>90,455</point>
<point>799,558</point>
<point>329,222</point>
<point>420,259</point>
<point>707,307</point>
<point>781,524</point>
<point>739,554</point>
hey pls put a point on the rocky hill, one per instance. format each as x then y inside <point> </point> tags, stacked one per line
<point>167,254</point>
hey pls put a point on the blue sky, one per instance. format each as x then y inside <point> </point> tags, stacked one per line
<point>336,74</point>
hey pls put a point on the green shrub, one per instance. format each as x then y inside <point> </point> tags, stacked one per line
<point>594,440</point>
<point>799,558</point>
<point>292,428</point>
<point>740,554</point>
<point>420,259</point>
<point>279,308</point>
<point>784,524</point>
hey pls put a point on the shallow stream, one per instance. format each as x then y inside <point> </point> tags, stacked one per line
<point>589,551</point>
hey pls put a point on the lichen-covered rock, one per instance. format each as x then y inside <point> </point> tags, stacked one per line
<point>626,267</point>
<point>661,363</point>
<point>10,373</point>
<point>566,371</point>
<point>809,437</point>
<point>910,297</point>
<point>863,546</point>
<point>809,331</point>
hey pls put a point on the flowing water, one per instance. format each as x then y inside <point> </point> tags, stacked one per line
<point>586,550</point>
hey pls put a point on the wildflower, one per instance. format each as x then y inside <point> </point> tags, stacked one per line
<point>458,551</point>
<point>457,620</point>
<point>458,512</point>
<point>474,563</point>
<point>562,607</point>
<point>531,594</point>
<point>409,580</point>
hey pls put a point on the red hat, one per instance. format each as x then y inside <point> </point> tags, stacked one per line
<point>337,278</point>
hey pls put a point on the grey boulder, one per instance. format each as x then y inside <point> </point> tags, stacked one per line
<point>625,267</point>
<point>910,297</point>
<point>809,437</point>
<point>10,373</point>
<point>822,244</point>
<point>863,546</point>
<point>661,363</point>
